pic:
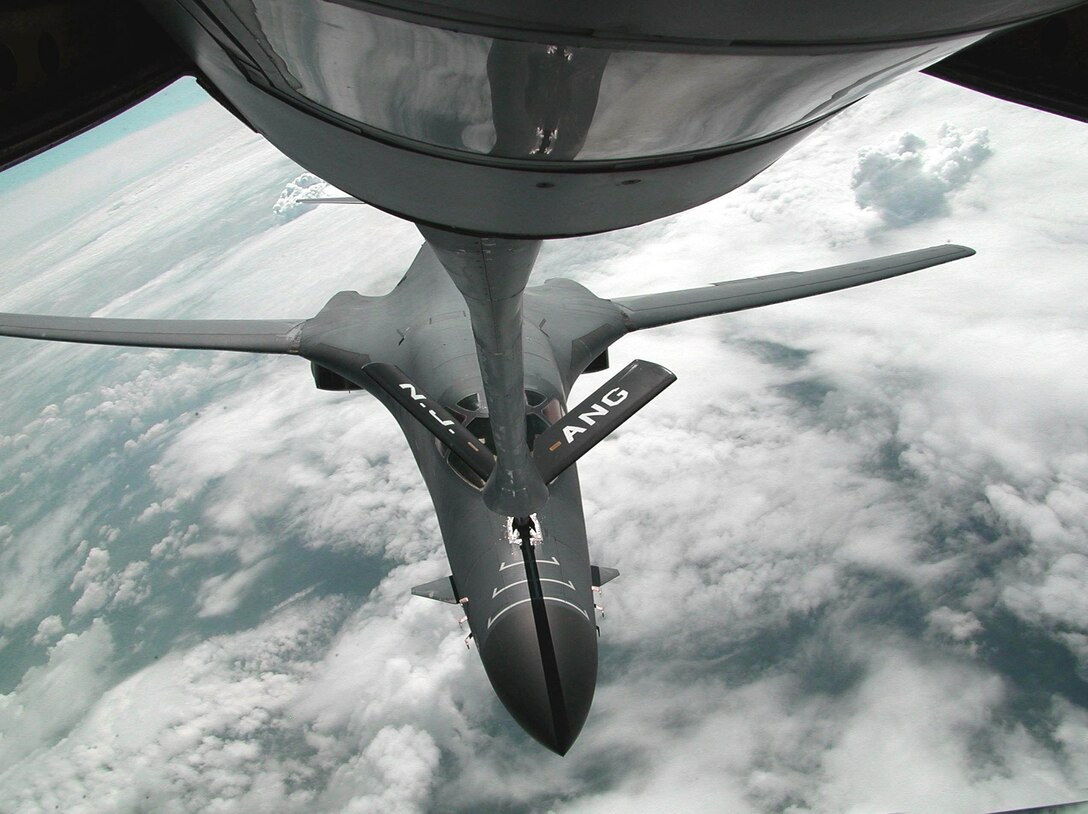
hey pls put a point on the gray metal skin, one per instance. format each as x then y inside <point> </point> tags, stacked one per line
<point>339,104</point>
<point>491,275</point>
<point>820,57</point>
<point>529,608</point>
<point>545,676</point>
<point>392,139</point>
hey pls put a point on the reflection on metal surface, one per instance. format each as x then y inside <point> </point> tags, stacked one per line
<point>551,102</point>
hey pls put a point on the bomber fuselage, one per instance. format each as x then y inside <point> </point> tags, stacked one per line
<point>531,614</point>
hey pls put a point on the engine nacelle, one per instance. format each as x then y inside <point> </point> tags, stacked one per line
<point>325,379</point>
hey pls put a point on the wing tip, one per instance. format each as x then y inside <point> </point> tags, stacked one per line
<point>958,250</point>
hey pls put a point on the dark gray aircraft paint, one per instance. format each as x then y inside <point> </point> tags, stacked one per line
<point>493,126</point>
<point>528,596</point>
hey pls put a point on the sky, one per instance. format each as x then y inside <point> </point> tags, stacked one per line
<point>853,583</point>
<point>173,99</point>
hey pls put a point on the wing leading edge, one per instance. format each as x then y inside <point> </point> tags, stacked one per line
<point>249,335</point>
<point>654,310</point>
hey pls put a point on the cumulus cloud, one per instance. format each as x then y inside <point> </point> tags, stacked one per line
<point>306,186</point>
<point>392,773</point>
<point>48,630</point>
<point>907,180</point>
<point>52,697</point>
<point>862,506</point>
<point>88,580</point>
<point>177,539</point>
<point>289,455</point>
<point>99,587</point>
<point>959,625</point>
<point>940,719</point>
<point>194,732</point>
<point>36,560</point>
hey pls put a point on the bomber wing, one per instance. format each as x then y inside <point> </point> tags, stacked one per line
<point>249,335</point>
<point>654,310</point>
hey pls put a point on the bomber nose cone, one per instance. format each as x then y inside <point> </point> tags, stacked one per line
<point>543,670</point>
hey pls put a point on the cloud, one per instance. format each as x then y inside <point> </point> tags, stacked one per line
<point>959,625</point>
<point>306,186</point>
<point>88,579</point>
<point>835,533</point>
<point>195,731</point>
<point>392,773</point>
<point>906,181</point>
<point>222,594</point>
<point>100,587</point>
<point>771,744</point>
<point>288,455</point>
<point>36,560</point>
<point>49,629</point>
<point>52,697</point>
<point>939,718</point>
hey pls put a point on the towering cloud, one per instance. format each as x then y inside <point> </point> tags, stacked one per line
<point>851,537</point>
<point>906,180</point>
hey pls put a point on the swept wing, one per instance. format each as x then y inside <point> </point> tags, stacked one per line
<point>653,310</point>
<point>250,335</point>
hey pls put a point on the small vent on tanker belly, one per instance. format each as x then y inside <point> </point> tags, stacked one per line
<point>325,379</point>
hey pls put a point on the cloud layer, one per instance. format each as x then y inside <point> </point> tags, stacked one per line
<point>906,180</point>
<point>855,582</point>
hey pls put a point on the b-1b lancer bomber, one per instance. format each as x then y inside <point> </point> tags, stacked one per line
<point>495,126</point>
<point>521,570</point>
